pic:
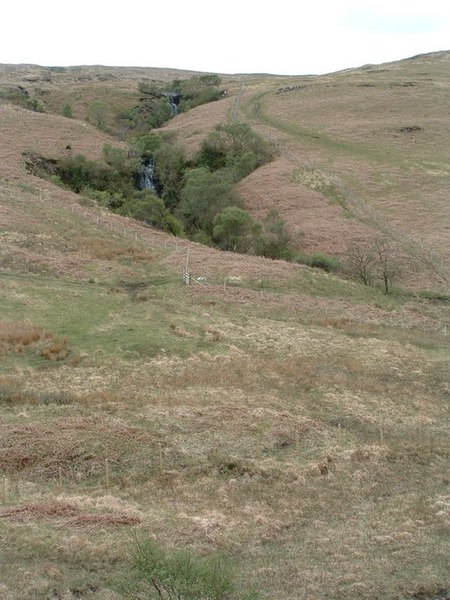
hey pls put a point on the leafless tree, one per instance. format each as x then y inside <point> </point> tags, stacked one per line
<point>361,261</point>
<point>374,259</point>
<point>388,264</point>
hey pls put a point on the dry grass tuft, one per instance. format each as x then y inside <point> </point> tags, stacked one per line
<point>56,350</point>
<point>16,336</point>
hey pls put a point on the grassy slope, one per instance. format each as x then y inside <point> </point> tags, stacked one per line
<point>292,419</point>
<point>373,143</point>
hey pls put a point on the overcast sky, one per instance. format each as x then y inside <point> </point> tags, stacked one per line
<point>233,36</point>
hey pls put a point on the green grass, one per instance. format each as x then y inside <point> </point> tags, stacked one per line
<point>112,319</point>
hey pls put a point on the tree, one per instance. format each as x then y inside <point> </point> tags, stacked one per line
<point>234,146</point>
<point>275,239</point>
<point>234,229</point>
<point>147,207</point>
<point>375,259</point>
<point>146,145</point>
<point>204,195</point>
<point>169,171</point>
<point>388,265</point>
<point>361,261</point>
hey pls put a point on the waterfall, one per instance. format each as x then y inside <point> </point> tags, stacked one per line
<point>173,99</point>
<point>147,179</point>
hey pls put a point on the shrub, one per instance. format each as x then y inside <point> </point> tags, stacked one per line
<point>204,195</point>
<point>322,261</point>
<point>147,207</point>
<point>236,147</point>
<point>146,145</point>
<point>67,111</point>
<point>182,575</point>
<point>21,97</point>
<point>196,90</point>
<point>234,229</point>
<point>98,114</point>
<point>169,171</point>
<point>118,176</point>
<point>274,240</point>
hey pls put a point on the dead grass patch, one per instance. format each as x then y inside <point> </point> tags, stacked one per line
<point>111,250</point>
<point>14,396</point>
<point>67,515</point>
<point>17,337</point>
<point>78,446</point>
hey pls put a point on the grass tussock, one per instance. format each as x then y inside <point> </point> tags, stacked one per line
<point>19,337</point>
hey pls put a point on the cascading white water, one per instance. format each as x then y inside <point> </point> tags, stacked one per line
<point>147,179</point>
<point>173,100</point>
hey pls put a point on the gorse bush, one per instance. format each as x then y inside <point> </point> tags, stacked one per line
<point>182,575</point>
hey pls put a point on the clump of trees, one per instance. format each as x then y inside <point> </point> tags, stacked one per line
<point>374,260</point>
<point>196,198</point>
<point>236,148</point>
<point>197,90</point>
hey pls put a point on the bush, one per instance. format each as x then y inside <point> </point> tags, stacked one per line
<point>234,229</point>
<point>21,97</point>
<point>147,207</point>
<point>169,171</point>
<point>146,145</point>
<point>98,113</point>
<point>204,195</point>
<point>236,147</point>
<point>181,575</point>
<point>79,173</point>
<point>322,261</point>
<point>274,240</point>
<point>67,111</point>
<point>196,90</point>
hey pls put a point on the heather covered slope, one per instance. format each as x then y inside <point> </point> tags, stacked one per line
<point>292,419</point>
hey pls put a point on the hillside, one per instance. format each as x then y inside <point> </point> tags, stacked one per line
<point>293,419</point>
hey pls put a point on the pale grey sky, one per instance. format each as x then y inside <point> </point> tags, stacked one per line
<point>235,36</point>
